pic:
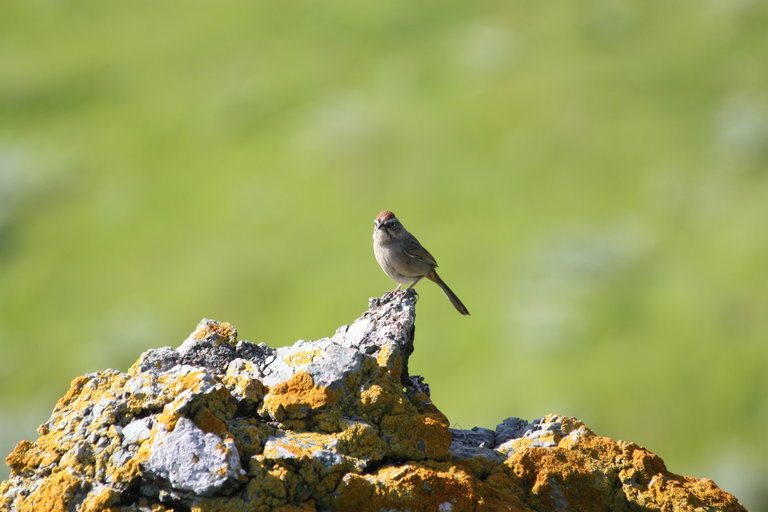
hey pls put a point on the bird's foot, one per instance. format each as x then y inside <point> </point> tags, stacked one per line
<point>402,292</point>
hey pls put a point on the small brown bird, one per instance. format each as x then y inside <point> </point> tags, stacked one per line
<point>404,259</point>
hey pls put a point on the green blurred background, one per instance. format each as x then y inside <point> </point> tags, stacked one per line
<point>592,177</point>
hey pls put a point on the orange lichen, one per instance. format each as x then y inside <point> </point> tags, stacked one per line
<point>75,387</point>
<point>100,501</point>
<point>594,464</point>
<point>416,436</point>
<point>208,422</point>
<point>125,472</point>
<point>189,398</point>
<point>390,358</point>
<point>224,332</point>
<point>423,487</point>
<point>297,396</point>
<point>28,455</point>
<point>53,495</point>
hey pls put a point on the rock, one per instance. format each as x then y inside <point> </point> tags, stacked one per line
<point>190,460</point>
<point>211,345</point>
<point>136,431</point>
<point>478,442</point>
<point>331,424</point>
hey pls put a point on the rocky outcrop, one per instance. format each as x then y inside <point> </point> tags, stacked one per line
<point>331,424</point>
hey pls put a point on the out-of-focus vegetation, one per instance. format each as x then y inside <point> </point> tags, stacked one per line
<point>592,177</point>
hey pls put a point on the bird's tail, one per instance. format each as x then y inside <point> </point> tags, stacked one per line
<point>461,308</point>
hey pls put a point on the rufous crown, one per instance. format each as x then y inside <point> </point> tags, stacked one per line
<point>384,216</point>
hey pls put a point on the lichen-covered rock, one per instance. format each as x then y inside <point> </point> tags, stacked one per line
<point>190,460</point>
<point>331,424</point>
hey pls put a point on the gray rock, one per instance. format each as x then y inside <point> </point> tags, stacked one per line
<point>253,351</point>
<point>283,363</point>
<point>334,365</point>
<point>206,347</point>
<point>81,451</point>
<point>209,354</point>
<point>207,330</point>
<point>190,460</point>
<point>417,384</point>
<point>538,428</point>
<point>327,362</point>
<point>478,442</point>
<point>477,436</point>
<point>158,360</point>
<point>388,322</point>
<point>289,446</point>
<point>120,457</point>
<point>136,431</point>
<point>137,441</point>
<point>510,428</point>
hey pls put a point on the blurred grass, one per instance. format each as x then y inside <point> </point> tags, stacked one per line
<point>592,177</point>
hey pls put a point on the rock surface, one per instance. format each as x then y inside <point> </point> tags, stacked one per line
<point>332,424</point>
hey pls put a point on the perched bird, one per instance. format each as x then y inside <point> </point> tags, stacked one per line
<point>404,259</point>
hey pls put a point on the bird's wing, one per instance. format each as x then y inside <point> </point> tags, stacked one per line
<point>415,250</point>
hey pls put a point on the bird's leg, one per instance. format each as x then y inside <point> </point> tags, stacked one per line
<point>411,288</point>
<point>414,283</point>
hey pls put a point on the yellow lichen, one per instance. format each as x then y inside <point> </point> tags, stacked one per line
<point>296,397</point>
<point>208,422</point>
<point>391,359</point>
<point>383,397</point>
<point>416,436</point>
<point>189,399</point>
<point>224,332</point>
<point>248,434</point>
<point>245,388</point>
<point>361,440</point>
<point>25,455</point>
<point>303,445</point>
<point>423,487</point>
<point>302,357</point>
<point>54,494</point>
<point>124,473</point>
<point>100,501</point>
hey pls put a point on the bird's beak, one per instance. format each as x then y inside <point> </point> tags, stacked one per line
<point>378,225</point>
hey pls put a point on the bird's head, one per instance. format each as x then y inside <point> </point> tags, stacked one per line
<point>386,226</point>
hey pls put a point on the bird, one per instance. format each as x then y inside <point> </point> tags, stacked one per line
<point>404,259</point>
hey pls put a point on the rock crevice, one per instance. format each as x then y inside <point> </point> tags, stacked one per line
<point>330,424</point>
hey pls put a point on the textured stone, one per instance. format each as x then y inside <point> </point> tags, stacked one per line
<point>221,425</point>
<point>136,431</point>
<point>478,442</point>
<point>385,332</point>
<point>191,460</point>
<point>156,359</point>
<point>212,345</point>
<point>298,446</point>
